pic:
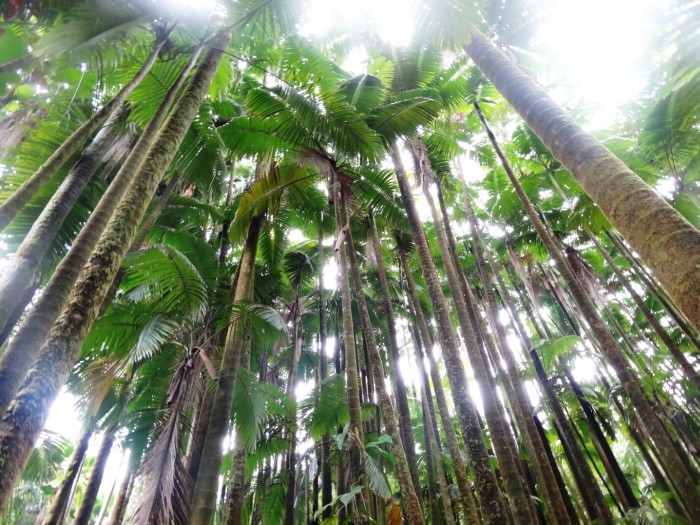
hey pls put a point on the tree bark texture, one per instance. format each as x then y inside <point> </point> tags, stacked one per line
<point>22,269</point>
<point>205,492</point>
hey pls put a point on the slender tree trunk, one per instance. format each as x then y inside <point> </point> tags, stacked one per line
<point>12,206</point>
<point>666,242</point>
<point>673,464</point>
<point>606,454</point>
<point>405,426</point>
<point>351,370</point>
<point>673,348</point>
<point>238,486</point>
<point>82,517</point>
<point>204,500</point>
<point>326,474</point>
<point>32,334</point>
<point>60,500</point>
<point>519,401</point>
<point>289,510</point>
<point>116,515</point>
<point>517,495</point>
<point>469,507</point>
<point>411,503</point>
<point>593,497</point>
<point>23,422</point>
<point>488,494</point>
<point>22,269</point>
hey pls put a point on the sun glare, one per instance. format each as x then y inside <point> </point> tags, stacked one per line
<point>390,20</point>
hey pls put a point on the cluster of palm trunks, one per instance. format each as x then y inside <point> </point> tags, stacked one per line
<point>170,222</point>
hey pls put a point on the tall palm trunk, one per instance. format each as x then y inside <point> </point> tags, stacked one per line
<point>289,511</point>
<point>673,348</point>
<point>116,515</point>
<point>654,288</point>
<point>352,382</point>
<point>666,242</point>
<point>519,499</point>
<point>22,424</point>
<point>588,488</point>
<point>488,494</point>
<point>23,194</point>
<point>674,465</point>
<point>204,499</point>
<point>22,269</point>
<point>61,499</point>
<point>405,426</point>
<point>82,517</point>
<point>25,346</point>
<point>519,400</point>
<point>411,503</point>
<point>468,504</point>
<point>326,473</point>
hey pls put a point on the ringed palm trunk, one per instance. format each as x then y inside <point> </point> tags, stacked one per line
<point>207,482</point>
<point>82,517</point>
<point>411,503</point>
<point>673,348</point>
<point>61,500</point>
<point>32,334</point>
<point>24,420</point>
<point>682,477</point>
<point>502,442</point>
<point>14,204</point>
<point>405,426</point>
<point>487,491</point>
<point>22,269</point>
<point>666,242</point>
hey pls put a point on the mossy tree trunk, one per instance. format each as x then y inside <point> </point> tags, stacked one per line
<point>666,242</point>
<point>25,418</point>
<point>22,270</point>
<point>14,204</point>
<point>19,356</point>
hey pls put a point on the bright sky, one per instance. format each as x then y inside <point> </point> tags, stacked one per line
<point>597,48</point>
